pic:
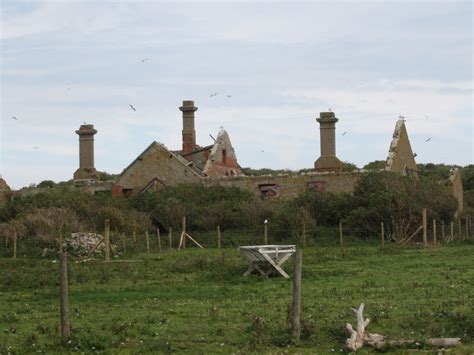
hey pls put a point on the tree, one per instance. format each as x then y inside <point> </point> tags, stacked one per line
<point>46,184</point>
<point>397,201</point>
<point>375,165</point>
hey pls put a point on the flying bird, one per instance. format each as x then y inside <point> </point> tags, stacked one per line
<point>229,95</point>
<point>215,94</point>
<point>415,155</point>
<point>426,116</point>
<point>144,60</point>
<point>35,147</point>
<point>428,139</point>
<point>329,109</point>
<point>16,119</point>
<point>132,108</point>
<point>344,133</point>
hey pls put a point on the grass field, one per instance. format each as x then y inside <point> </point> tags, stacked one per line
<point>197,301</point>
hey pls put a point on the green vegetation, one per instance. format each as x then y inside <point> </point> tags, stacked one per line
<point>379,197</point>
<point>197,301</point>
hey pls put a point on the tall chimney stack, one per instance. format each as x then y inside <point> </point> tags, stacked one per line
<point>86,152</point>
<point>189,133</point>
<point>327,128</point>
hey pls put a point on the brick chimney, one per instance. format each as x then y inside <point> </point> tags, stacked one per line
<point>327,128</point>
<point>86,152</point>
<point>189,134</point>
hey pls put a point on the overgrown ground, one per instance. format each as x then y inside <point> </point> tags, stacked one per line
<point>197,301</point>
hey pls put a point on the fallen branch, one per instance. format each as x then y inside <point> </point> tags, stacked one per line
<point>356,339</point>
<point>433,342</point>
<point>359,337</point>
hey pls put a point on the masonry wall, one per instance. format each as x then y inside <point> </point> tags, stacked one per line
<point>155,163</point>
<point>289,186</point>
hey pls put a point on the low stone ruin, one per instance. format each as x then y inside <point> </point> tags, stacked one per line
<point>86,244</point>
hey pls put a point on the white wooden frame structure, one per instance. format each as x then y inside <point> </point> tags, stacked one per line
<point>267,259</point>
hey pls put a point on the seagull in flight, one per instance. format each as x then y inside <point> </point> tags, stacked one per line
<point>144,60</point>
<point>344,133</point>
<point>132,108</point>
<point>13,117</point>
<point>428,139</point>
<point>35,147</point>
<point>229,95</point>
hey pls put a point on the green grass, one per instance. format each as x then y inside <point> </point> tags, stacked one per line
<point>197,301</point>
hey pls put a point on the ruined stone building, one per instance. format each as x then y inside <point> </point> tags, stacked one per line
<point>158,166</point>
<point>216,164</point>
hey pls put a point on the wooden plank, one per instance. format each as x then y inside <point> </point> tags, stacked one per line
<point>405,242</point>
<point>277,267</point>
<point>195,242</point>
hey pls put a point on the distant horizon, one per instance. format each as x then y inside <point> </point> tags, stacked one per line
<point>273,65</point>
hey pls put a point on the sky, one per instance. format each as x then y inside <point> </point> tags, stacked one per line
<point>64,63</point>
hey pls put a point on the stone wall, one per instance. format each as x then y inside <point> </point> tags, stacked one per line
<point>157,166</point>
<point>290,185</point>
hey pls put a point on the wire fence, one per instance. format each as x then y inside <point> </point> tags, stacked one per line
<point>129,244</point>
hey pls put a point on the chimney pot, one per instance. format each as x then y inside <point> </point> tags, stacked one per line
<point>86,152</point>
<point>327,128</point>
<point>189,133</point>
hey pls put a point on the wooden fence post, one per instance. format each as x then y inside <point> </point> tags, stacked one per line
<point>64,298</point>
<point>425,227</point>
<point>460,229</point>
<point>60,241</point>
<point>341,238</point>
<point>134,239</point>
<point>434,232</point>
<point>183,233</point>
<point>15,238</point>
<point>265,232</point>
<point>452,231</point>
<point>442,231</point>
<point>218,237</point>
<point>158,237</point>
<point>382,234</point>
<point>170,238</point>
<point>296,307</point>
<point>124,242</point>
<point>304,235</point>
<point>467,229</point>
<point>107,240</point>
<point>147,238</point>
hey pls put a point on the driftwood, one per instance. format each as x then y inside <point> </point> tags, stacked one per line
<point>433,342</point>
<point>359,337</point>
<point>356,339</point>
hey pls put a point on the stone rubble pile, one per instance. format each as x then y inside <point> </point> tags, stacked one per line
<point>82,243</point>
